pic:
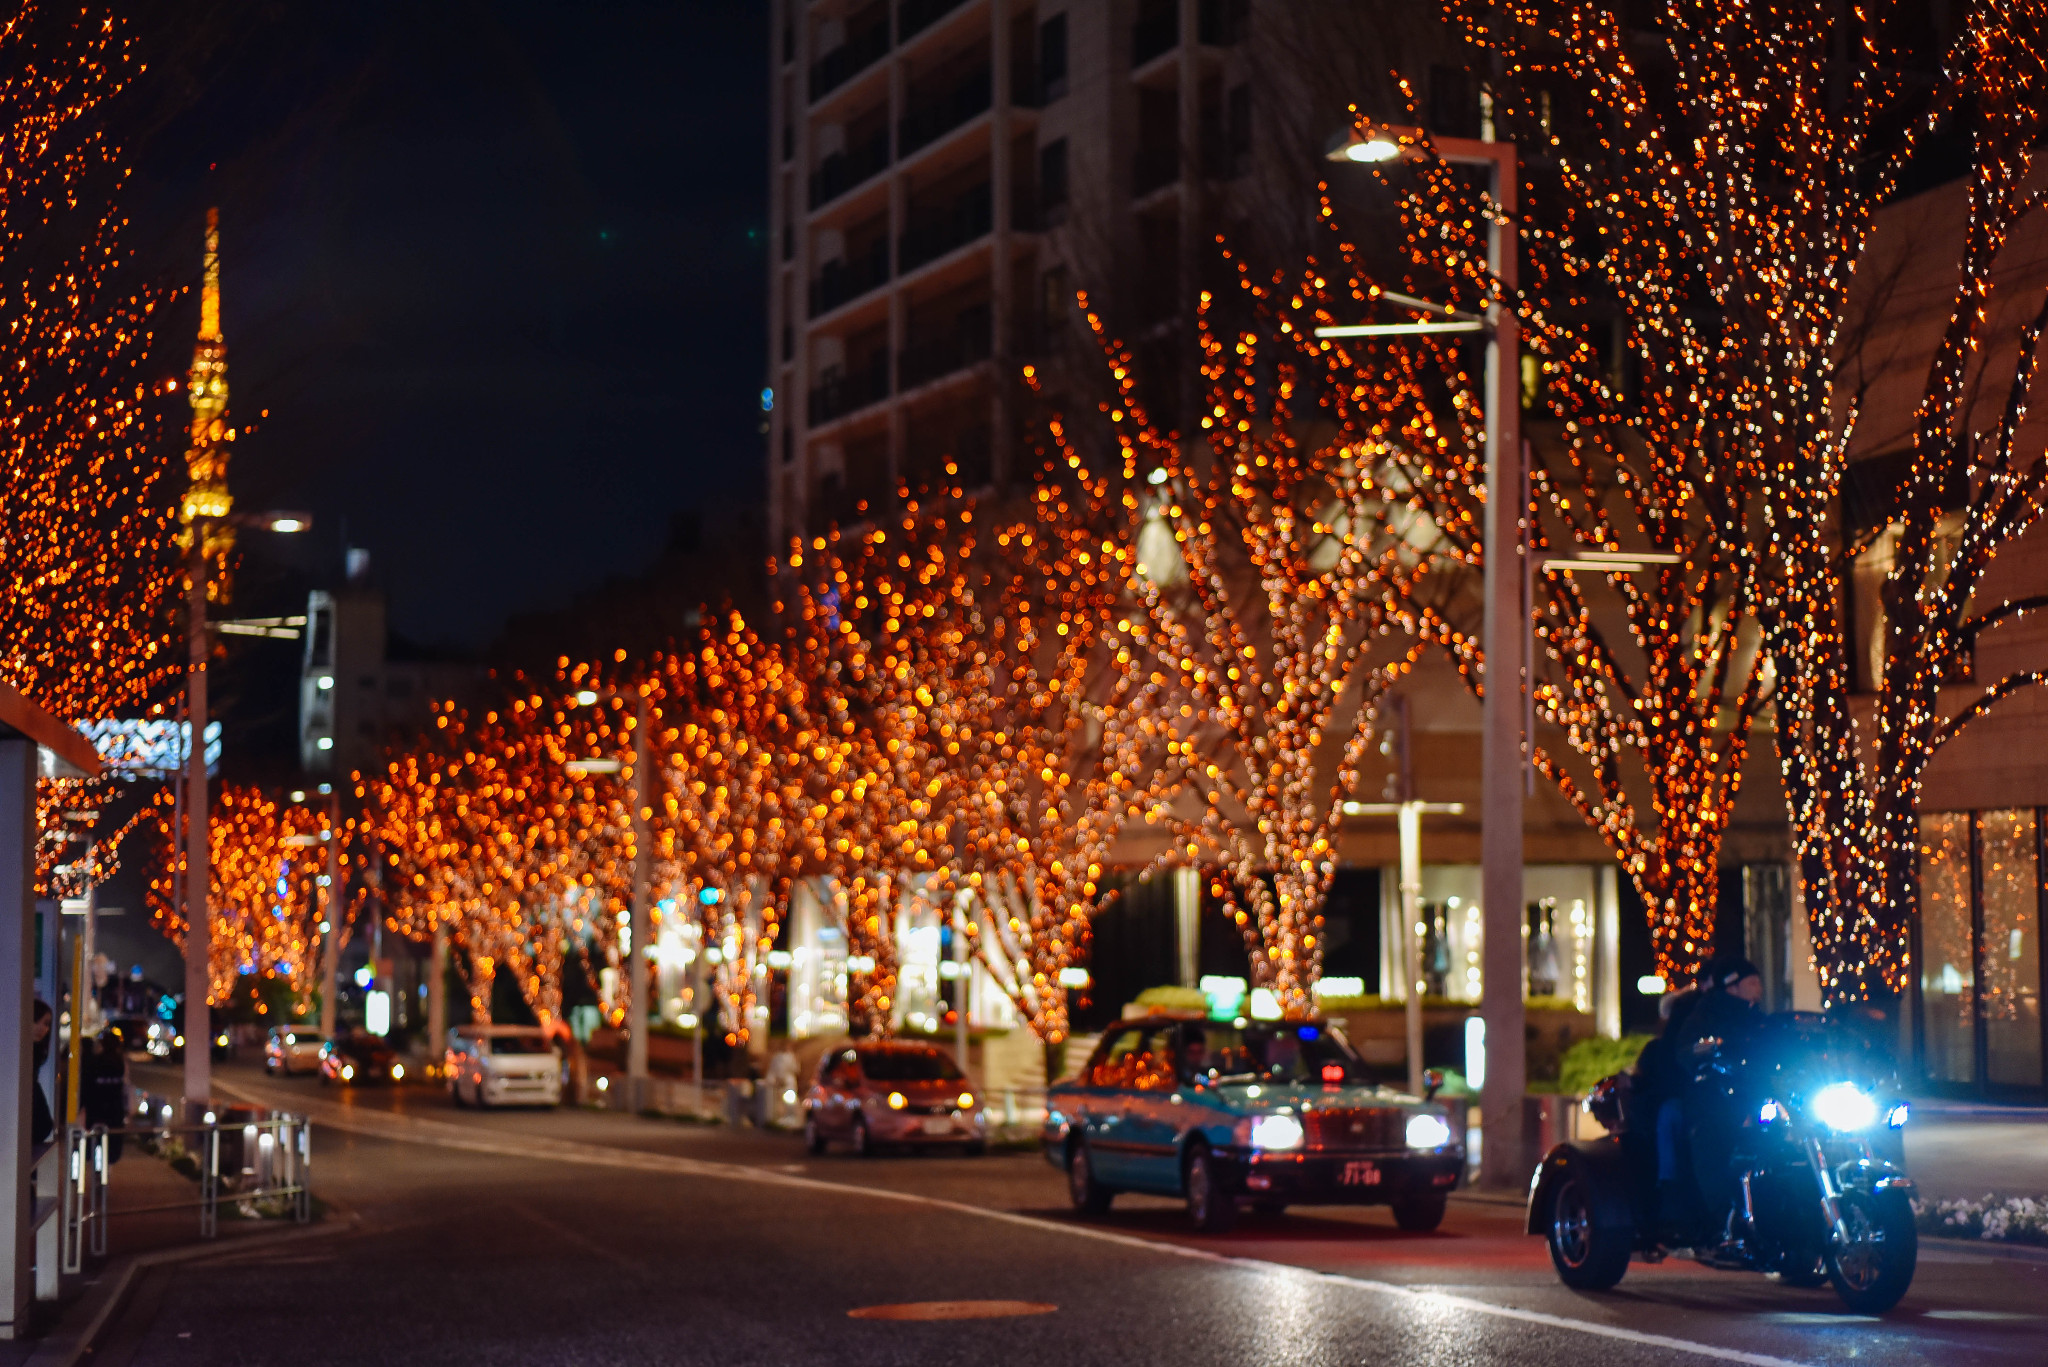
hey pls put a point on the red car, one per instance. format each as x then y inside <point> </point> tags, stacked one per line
<point>880,1094</point>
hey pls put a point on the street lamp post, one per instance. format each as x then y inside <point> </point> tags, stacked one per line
<point>643,873</point>
<point>1504,636</point>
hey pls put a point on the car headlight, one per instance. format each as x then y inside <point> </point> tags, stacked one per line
<point>398,1072</point>
<point>896,1102</point>
<point>1428,1131</point>
<point>221,1040</point>
<point>1844,1106</point>
<point>1276,1132</point>
<point>347,1072</point>
<point>966,1101</point>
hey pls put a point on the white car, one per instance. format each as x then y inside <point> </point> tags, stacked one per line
<point>503,1065</point>
<point>290,1049</point>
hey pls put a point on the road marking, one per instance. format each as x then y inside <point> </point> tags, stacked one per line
<point>444,1134</point>
<point>952,1310</point>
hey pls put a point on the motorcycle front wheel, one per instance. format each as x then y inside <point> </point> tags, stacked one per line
<point>1873,1269</point>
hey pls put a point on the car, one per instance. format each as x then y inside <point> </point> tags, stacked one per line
<point>1229,1113</point>
<point>292,1049</point>
<point>878,1094</point>
<point>359,1057</point>
<point>503,1065</point>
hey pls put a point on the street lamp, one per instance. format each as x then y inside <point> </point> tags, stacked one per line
<point>1505,630</point>
<point>209,522</point>
<point>330,919</point>
<point>636,934</point>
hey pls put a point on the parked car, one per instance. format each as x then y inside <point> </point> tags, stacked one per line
<point>892,1094</point>
<point>1221,1113</point>
<point>503,1065</point>
<point>359,1057</point>
<point>292,1049</point>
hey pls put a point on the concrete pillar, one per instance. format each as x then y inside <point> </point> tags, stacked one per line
<point>1607,954</point>
<point>437,997</point>
<point>1187,924</point>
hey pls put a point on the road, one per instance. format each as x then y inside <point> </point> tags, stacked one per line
<point>595,1238</point>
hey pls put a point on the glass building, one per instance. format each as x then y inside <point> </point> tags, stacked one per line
<point>1976,1006</point>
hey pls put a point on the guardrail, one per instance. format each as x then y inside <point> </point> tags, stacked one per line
<point>243,1154</point>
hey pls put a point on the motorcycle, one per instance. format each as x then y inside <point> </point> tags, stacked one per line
<point>1820,1194</point>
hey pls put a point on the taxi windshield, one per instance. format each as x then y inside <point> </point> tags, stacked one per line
<point>1305,1053</point>
<point>908,1065</point>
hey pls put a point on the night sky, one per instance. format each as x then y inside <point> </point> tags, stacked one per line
<point>496,270</point>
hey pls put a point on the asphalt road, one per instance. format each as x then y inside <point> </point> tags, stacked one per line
<point>591,1238</point>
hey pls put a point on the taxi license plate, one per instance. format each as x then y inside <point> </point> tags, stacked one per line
<point>1359,1174</point>
<point>938,1124</point>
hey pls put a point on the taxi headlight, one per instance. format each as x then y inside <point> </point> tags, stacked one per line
<point>1428,1131</point>
<point>896,1102</point>
<point>1276,1132</point>
<point>1844,1106</point>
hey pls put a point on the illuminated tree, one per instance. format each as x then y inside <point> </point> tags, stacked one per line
<point>88,571</point>
<point>268,858</point>
<point>1717,184</point>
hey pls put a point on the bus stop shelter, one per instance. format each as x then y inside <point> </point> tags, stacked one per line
<point>32,742</point>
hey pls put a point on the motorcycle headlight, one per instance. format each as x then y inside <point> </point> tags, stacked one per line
<point>1276,1132</point>
<point>1844,1106</point>
<point>1428,1131</point>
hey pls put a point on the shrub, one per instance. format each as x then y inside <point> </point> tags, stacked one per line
<point>1586,1062</point>
<point>1174,998</point>
<point>2010,1219</point>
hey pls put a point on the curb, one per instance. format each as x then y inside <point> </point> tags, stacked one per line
<point>99,1305</point>
<point>1986,1248</point>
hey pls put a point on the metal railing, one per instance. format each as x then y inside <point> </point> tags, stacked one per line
<point>241,1154</point>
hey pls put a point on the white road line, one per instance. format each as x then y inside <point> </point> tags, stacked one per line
<point>443,1134</point>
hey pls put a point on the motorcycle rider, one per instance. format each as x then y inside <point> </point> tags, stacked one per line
<point>1726,1015</point>
<point>1659,1085</point>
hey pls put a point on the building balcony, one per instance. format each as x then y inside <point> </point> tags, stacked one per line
<point>1155,36</point>
<point>860,51</point>
<point>915,16</point>
<point>942,356</point>
<point>841,281</point>
<point>1153,168</point>
<point>931,120</point>
<point>933,236</point>
<point>842,171</point>
<point>850,391</point>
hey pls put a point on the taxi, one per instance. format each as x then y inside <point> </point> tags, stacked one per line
<point>1225,1114</point>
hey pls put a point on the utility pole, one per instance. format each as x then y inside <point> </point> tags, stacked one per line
<point>636,963</point>
<point>198,862</point>
<point>330,917</point>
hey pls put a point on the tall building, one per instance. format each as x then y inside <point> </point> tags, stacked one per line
<point>360,687</point>
<point>945,173</point>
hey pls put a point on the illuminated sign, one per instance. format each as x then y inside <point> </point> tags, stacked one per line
<point>149,749</point>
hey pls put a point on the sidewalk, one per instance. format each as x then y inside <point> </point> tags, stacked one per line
<point>139,1234</point>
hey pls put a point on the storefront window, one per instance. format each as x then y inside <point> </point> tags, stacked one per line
<point>1947,972</point>
<point>2010,972</point>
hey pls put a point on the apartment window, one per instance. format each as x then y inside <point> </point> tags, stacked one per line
<point>788,342</point>
<point>789,42</point>
<point>1238,124</point>
<point>1055,297</point>
<point>1453,103</point>
<point>1052,176</point>
<point>788,453</point>
<point>788,140</point>
<point>1052,57</point>
<point>789,241</point>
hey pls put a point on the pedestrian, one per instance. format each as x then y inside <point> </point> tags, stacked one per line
<point>44,1123</point>
<point>103,1089</point>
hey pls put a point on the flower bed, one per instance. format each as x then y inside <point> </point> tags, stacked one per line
<point>2004,1219</point>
